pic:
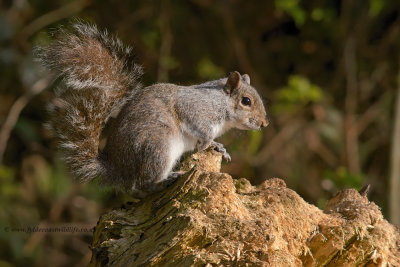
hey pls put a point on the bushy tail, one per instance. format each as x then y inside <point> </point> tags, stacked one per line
<point>98,77</point>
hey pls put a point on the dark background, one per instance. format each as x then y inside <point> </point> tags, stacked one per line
<point>328,69</point>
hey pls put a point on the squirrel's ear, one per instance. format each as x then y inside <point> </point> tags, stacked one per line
<point>246,78</point>
<point>233,82</point>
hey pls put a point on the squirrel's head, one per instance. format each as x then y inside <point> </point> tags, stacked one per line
<point>249,110</point>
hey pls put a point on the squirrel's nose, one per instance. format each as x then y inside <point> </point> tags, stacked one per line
<point>264,123</point>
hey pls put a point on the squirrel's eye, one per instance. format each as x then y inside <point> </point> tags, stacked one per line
<point>246,101</point>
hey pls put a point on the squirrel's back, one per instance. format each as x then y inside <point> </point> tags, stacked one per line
<point>98,77</point>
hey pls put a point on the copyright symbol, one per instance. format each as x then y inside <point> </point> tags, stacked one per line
<point>6,229</point>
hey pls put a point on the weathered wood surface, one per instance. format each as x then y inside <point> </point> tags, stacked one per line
<point>209,219</point>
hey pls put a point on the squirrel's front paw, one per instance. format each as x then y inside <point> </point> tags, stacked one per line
<point>220,148</point>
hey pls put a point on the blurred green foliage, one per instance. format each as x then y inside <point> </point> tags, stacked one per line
<point>207,70</point>
<point>298,92</point>
<point>292,7</point>
<point>299,56</point>
<point>342,178</point>
<point>45,196</point>
<point>375,7</point>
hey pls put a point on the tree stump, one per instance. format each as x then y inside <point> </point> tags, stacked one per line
<point>206,218</point>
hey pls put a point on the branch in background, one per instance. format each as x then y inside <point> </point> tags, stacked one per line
<point>351,132</point>
<point>30,29</point>
<point>239,46</point>
<point>15,111</point>
<point>395,162</point>
<point>287,132</point>
<point>314,143</point>
<point>166,42</point>
<point>370,115</point>
<point>53,16</point>
<point>369,83</point>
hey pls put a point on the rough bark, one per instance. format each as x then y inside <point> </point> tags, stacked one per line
<point>209,219</point>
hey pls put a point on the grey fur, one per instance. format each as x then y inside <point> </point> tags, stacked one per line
<point>156,124</point>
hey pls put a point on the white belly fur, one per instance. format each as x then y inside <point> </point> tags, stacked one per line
<point>178,146</point>
<point>220,129</point>
<point>183,143</point>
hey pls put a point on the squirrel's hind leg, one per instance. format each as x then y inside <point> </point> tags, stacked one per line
<point>158,173</point>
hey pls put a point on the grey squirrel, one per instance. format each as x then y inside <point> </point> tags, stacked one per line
<point>155,124</point>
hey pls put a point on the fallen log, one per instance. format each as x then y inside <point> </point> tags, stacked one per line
<point>207,218</point>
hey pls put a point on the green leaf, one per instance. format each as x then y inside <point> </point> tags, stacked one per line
<point>342,178</point>
<point>375,7</point>
<point>293,8</point>
<point>206,69</point>
<point>151,39</point>
<point>299,92</point>
<point>255,141</point>
<point>169,62</point>
<point>6,173</point>
<point>317,14</point>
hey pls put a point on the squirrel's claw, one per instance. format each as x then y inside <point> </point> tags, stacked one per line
<point>226,156</point>
<point>220,148</point>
